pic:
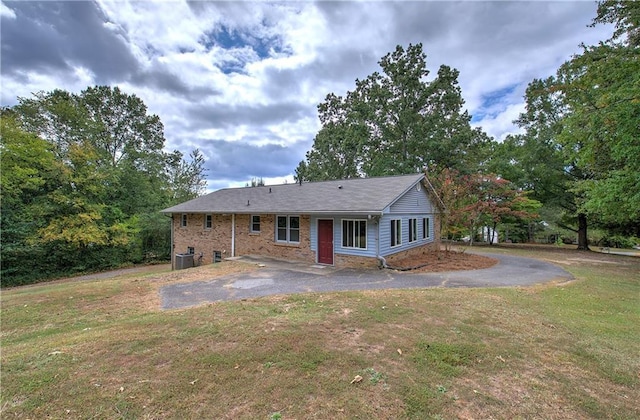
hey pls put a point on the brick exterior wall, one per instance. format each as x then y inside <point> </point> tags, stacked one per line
<point>204,241</point>
<point>263,243</point>
<point>353,261</point>
<point>218,238</point>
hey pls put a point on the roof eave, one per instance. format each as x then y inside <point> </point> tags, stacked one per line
<point>298,211</point>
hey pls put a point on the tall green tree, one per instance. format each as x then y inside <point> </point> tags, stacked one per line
<point>125,130</point>
<point>101,175</point>
<point>536,162</point>
<point>57,116</point>
<point>186,177</point>
<point>29,171</point>
<point>601,133</point>
<point>395,122</point>
<point>579,151</point>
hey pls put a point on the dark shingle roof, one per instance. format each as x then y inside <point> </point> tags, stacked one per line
<point>356,195</point>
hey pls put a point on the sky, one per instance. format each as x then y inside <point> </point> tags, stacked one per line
<point>241,81</point>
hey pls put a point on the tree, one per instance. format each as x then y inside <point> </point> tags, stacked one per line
<point>496,200</point>
<point>57,117</point>
<point>626,17</point>
<point>124,129</point>
<point>255,182</point>
<point>88,176</point>
<point>478,200</point>
<point>395,122</point>
<point>582,125</point>
<point>115,125</point>
<point>602,89</point>
<point>25,158</point>
<point>29,171</point>
<point>186,178</point>
<point>453,190</point>
<point>536,162</point>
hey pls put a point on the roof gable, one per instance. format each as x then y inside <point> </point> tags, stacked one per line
<point>355,195</point>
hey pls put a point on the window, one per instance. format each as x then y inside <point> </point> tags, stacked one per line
<point>396,232</point>
<point>288,229</point>
<point>191,250</point>
<point>281,234</point>
<point>255,224</point>
<point>425,228</point>
<point>413,230</point>
<point>354,234</point>
<point>208,221</point>
<point>294,229</point>
<point>183,220</point>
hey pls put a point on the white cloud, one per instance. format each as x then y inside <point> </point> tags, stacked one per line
<point>241,81</point>
<point>6,11</point>
<point>501,124</point>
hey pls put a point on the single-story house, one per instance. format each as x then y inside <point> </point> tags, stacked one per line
<point>350,222</point>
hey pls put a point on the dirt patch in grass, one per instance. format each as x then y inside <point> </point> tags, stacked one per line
<point>439,261</point>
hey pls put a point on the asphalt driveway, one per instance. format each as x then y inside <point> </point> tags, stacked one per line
<point>277,277</point>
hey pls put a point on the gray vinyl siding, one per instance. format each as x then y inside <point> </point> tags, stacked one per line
<point>414,204</point>
<point>372,233</point>
<point>385,232</point>
<point>413,201</point>
<point>429,238</point>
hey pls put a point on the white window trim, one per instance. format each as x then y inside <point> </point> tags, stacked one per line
<point>413,229</point>
<point>366,236</point>
<point>259,223</point>
<point>426,228</point>
<point>398,229</point>
<point>183,220</point>
<point>205,221</point>
<point>288,229</point>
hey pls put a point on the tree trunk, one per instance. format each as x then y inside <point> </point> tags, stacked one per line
<point>493,233</point>
<point>583,243</point>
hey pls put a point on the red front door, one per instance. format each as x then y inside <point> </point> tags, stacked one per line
<point>325,241</point>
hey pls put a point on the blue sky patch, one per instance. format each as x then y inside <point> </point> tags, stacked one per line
<point>233,39</point>
<point>493,103</point>
<point>229,38</point>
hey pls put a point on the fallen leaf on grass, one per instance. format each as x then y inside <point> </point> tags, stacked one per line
<point>399,352</point>
<point>193,382</point>
<point>356,379</point>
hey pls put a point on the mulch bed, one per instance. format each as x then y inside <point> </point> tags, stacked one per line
<point>437,261</point>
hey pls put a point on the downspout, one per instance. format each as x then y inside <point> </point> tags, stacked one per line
<point>383,262</point>
<point>233,235</point>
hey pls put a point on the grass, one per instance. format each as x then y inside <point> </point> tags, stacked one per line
<point>103,349</point>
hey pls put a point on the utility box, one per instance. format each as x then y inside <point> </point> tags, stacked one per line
<point>217,256</point>
<point>184,261</point>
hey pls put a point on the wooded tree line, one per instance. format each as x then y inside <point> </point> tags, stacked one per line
<point>84,176</point>
<point>83,179</point>
<point>577,163</point>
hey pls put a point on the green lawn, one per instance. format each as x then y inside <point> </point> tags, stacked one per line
<point>103,349</point>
